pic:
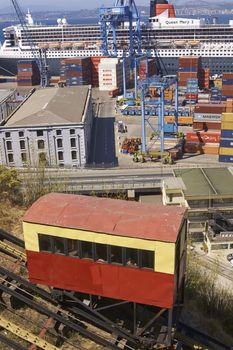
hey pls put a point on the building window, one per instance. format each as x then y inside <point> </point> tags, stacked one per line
<point>72,131</point>
<point>40,144</point>
<point>74,155</point>
<point>10,158</point>
<point>21,134</point>
<point>131,257</point>
<point>45,243</point>
<point>9,145</point>
<point>101,252</point>
<point>22,144</point>
<point>39,133</point>
<point>24,157</point>
<point>8,134</point>
<point>116,255</point>
<point>58,132</point>
<point>87,250</point>
<point>60,156</point>
<point>73,143</point>
<point>59,245</point>
<point>147,259</point>
<point>73,248</point>
<point>59,143</point>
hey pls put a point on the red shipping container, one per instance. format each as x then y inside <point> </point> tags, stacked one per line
<point>203,137</point>
<point>227,75</point>
<point>210,108</point>
<point>206,126</point>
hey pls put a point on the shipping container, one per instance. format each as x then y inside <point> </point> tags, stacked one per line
<point>206,126</point>
<point>226,143</point>
<point>225,159</point>
<point>227,126</point>
<point>227,134</point>
<point>203,137</point>
<point>211,148</point>
<point>226,151</point>
<point>227,117</point>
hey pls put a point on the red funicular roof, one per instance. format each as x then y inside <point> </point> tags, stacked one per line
<point>118,217</point>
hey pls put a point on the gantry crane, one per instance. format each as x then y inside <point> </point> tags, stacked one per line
<point>111,18</point>
<point>39,54</point>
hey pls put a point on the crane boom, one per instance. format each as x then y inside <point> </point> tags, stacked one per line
<point>38,54</point>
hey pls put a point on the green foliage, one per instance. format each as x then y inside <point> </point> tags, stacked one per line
<point>9,183</point>
<point>212,300</point>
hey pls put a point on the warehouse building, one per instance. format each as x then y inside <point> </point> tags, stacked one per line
<point>53,127</point>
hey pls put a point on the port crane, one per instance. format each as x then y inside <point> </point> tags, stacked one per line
<point>39,54</point>
<point>124,12</point>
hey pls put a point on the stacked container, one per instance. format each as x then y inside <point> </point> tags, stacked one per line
<point>208,116</point>
<point>28,73</point>
<point>95,61</point>
<point>111,74</point>
<point>189,68</point>
<point>77,71</point>
<point>226,141</point>
<point>205,78</point>
<point>192,90</point>
<point>229,106</point>
<point>216,95</point>
<point>143,69</point>
<point>227,85</point>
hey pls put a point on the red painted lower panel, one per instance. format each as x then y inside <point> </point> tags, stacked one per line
<point>112,281</point>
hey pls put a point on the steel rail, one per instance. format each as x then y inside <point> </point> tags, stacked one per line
<point>4,235</point>
<point>11,343</point>
<point>26,335</point>
<point>13,252</point>
<point>96,318</point>
<point>57,317</point>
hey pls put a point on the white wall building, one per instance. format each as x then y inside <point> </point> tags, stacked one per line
<point>53,127</point>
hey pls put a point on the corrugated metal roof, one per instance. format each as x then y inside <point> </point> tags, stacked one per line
<point>206,182</point>
<point>117,217</point>
<point>52,106</point>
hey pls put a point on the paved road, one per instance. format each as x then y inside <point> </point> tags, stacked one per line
<point>103,151</point>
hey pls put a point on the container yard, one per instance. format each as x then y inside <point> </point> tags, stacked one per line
<point>110,132</point>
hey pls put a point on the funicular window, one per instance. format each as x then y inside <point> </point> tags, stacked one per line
<point>101,252</point>
<point>116,255</point>
<point>131,257</point>
<point>147,259</point>
<point>87,250</point>
<point>59,245</point>
<point>73,248</point>
<point>45,243</point>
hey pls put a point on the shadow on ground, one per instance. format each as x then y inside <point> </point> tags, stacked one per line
<point>103,150</point>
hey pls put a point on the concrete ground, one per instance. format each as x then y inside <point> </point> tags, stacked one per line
<point>103,150</point>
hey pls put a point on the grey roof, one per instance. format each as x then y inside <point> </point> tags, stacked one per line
<point>52,106</point>
<point>204,183</point>
<point>4,94</point>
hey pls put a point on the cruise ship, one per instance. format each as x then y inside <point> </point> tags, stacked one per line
<point>164,36</point>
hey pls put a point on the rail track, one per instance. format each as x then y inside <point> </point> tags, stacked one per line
<point>74,316</point>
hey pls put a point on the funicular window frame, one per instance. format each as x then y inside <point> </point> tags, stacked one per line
<point>123,254</point>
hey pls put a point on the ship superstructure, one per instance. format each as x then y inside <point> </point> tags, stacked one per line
<point>164,35</point>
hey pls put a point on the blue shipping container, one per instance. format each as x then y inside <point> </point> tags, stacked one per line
<point>227,82</point>
<point>226,159</point>
<point>189,69</point>
<point>226,134</point>
<point>226,143</point>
